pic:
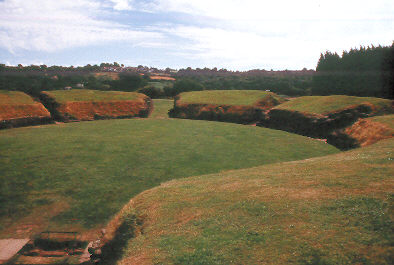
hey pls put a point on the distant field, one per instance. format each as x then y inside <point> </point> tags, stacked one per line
<point>109,75</point>
<point>225,97</point>
<point>76,95</point>
<point>160,77</point>
<point>335,209</point>
<point>80,174</point>
<point>15,97</point>
<point>326,104</point>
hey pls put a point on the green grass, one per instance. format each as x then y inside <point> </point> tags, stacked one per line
<point>15,98</point>
<point>326,104</point>
<point>96,167</point>
<point>224,97</point>
<point>336,209</point>
<point>161,108</point>
<point>63,96</point>
<point>385,119</point>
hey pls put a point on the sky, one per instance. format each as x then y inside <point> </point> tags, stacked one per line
<point>232,34</point>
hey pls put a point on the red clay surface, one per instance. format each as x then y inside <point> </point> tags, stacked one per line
<point>89,110</point>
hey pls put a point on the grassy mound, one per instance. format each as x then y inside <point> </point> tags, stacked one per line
<point>324,105</point>
<point>82,173</point>
<point>228,97</point>
<point>19,109</point>
<point>83,104</point>
<point>239,106</point>
<point>328,210</point>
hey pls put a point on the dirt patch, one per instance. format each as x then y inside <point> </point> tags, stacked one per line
<point>92,110</point>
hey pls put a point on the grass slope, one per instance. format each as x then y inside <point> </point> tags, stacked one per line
<point>63,96</point>
<point>93,168</point>
<point>15,98</point>
<point>336,209</point>
<point>225,97</point>
<point>326,104</point>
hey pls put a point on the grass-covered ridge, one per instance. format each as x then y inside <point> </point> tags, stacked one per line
<point>335,209</point>
<point>15,98</point>
<point>91,169</point>
<point>327,104</point>
<point>225,97</point>
<point>75,95</point>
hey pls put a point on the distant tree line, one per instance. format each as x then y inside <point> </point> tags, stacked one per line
<point>33,83</point>
<point>358,72</point>
<point>290,86</point>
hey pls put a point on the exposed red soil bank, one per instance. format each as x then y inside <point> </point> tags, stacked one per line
<point>93,110</point>
<point>229,113</point>
<point>15,115</point>
<point>368,132</point>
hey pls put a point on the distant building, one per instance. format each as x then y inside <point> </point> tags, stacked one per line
<point>67,88</point>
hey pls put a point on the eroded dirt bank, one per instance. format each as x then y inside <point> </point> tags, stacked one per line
<point>23,115</point>
<point>92,110</point>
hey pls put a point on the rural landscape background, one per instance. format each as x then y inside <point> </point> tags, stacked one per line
<point>172,132</point>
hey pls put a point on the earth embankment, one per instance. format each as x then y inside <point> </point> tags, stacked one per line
<point>230,106</point>
<point>86,105</point>
<point>19,109</point>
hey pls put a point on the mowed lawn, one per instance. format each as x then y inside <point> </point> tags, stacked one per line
<point>330,210</point>
<point>82,173</point>
<point>226,97</point>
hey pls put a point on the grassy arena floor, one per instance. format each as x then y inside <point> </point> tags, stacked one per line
<point>81,174</point>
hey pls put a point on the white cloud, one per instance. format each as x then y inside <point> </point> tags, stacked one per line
<point>283,34</point>
<point>54,25</point>
<point>122,4</point>
<point>223,33</point>
<point>279,9</point>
